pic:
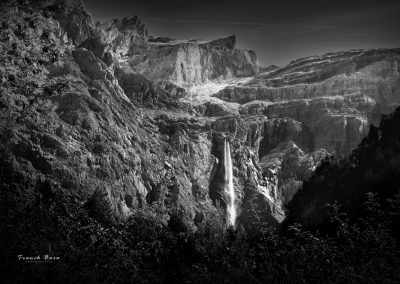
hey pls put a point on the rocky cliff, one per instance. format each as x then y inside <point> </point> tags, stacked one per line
<point>66,120</point>
<point>320,105</point>
<point>106,107</point>
<point>187,63</point>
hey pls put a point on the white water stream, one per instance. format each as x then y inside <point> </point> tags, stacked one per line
<point>229,189</point>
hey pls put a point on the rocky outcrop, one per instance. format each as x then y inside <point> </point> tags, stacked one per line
<point>338,110</point>
<point>70,14</point>
<point>186,63</point>
<point>315,107</point>
<point>146,93</point>
<point>65,118</point>
<point>331,122</point>
<point>116,39</point>
<point>373,74</point>
<point>252,185</point>
<point>229,42</point>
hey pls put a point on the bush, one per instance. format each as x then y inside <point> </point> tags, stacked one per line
<point>144,249</point>
<point>99,207</point>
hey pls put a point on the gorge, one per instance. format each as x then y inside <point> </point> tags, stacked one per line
<point>143,118</point>
<point>106,121</point>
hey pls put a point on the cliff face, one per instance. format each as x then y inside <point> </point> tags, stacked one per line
<point>331,99</point>
<point>70,14</point>
<point>360,78</point>
<point>67,122</point>
<point>106,107</point>
<point>115,39</point>
<point>187,63</point>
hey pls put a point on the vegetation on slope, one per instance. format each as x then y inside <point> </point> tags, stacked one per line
<point>147,248</point>
<point>374,166</point>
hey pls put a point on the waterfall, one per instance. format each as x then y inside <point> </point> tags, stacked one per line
<point>229,189</point>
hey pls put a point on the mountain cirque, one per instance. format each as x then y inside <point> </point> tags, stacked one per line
<point>90,106</point>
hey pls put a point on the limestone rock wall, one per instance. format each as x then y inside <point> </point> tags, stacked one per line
<point>315,107</point>
<point>190,63</point>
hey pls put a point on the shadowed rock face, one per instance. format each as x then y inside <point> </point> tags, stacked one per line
<point>229,42</point>
<point>108,107</point>
<point>372,168</point>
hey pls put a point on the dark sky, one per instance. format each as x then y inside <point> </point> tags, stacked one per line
<point>279,31</point>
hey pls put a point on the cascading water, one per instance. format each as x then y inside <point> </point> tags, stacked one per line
<point>229,189</point>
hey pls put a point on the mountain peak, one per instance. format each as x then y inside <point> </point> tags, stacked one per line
<point>227,42</point>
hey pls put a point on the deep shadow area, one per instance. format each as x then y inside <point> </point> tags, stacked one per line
<point>374,166</point>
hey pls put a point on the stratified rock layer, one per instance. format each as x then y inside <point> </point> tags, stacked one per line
<point>188,63</point>
<point>318,105</point>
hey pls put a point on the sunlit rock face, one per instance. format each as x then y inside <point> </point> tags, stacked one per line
<point>342,74</point>
<point>315,107</point>
<point>361,85</point>
<point>114,40</point>
<point>330,122</point>
<point>187,63</point>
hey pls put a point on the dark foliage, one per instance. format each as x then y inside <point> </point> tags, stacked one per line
<point>144,249</point>
<point>99,207</point>
<point>374,166</point>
